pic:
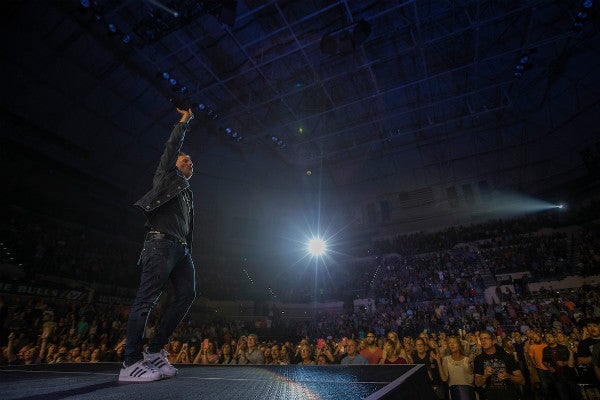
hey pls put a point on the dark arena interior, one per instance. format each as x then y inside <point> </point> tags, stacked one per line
<point>412,184</point>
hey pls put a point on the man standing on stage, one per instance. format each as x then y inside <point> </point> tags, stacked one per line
<point>166,255</point>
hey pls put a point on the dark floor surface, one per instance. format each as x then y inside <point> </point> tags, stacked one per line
<point>99,381</point>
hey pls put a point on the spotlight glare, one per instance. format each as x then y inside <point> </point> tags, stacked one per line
<point>316,247</point>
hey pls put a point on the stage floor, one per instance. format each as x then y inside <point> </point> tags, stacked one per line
<point>99,381</point>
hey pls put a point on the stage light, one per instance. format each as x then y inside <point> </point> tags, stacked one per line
<point>173,81</point>
<point>587,4</point>
<point>316,247</point>
<point>228,130</point>
<point>183,89</point>
<point>112,28</point>
<point>126,39</point>
<point>166,75</point>
<point>201,106</point>
<point>85,3</point>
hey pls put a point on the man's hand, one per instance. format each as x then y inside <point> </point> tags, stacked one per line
<point>186,115</point>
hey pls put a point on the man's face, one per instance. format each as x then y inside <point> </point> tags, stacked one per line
<point>185,165</point>
<point>550,338</point>
<point>351,347</point>
<point>486,341</point>
<point>593,329</point>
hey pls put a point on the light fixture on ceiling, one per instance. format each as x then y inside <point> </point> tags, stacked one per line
<point>583,14</point>
<point>278,142</point>
<point>523,63</point>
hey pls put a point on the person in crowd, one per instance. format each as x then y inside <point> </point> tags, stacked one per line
<point>457,370</point>
<point>252,354</point>
<point>496,371</point>
<point>371,352</point>
<point>389,354</point>
<point>166,256</point>
<point>226,356</point>
<point>306,355</point>
<point>560,361</point>
<point>285,355</point>
<point>206,355</point>
<point>183,356</point>
<point>95,356</point>
<point>322,359</point>
<point>275,355</point>
<point>536,349</point>
<point>400,351</point>
<point>352,357</point>
<point>585,368</point>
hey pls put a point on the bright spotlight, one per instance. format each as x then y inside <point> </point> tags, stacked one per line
<point>316,247</point>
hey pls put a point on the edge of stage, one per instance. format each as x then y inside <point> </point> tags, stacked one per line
<point>240,382</point>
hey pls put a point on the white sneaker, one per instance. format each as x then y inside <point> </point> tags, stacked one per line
<point>161,362</point>
<point>141,371</point>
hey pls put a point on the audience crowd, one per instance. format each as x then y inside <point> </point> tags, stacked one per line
<point>427,309</point>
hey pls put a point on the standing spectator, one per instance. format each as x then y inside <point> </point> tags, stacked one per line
<point>536,349</point>
<point>585,367</point>
<point>166,256</point>
<point>457,370</point>
<point>371,352</point>
<point>560,361</point>
<point>496,371</point>
<point>352,357</point>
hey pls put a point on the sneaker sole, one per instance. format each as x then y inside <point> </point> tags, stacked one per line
<point>139,380</point>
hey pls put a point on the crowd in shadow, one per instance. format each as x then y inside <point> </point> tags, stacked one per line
<point>426,290</point>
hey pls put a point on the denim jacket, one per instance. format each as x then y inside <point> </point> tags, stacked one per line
<point>168,181</point>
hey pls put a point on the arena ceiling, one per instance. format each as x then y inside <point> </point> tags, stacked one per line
<point>388,96</point>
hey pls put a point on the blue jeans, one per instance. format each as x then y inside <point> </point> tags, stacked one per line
<point>162,260</point>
